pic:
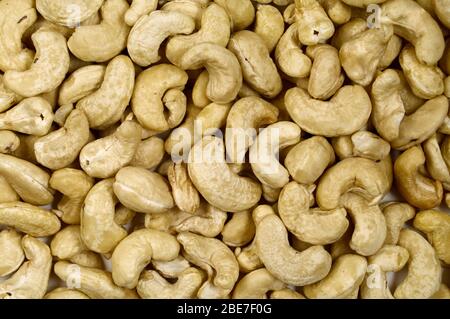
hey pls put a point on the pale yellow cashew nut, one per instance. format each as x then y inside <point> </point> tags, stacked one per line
<point>68,12</point>
<point>12,255</point>
<point>139,8</point>
<point>256,284</point>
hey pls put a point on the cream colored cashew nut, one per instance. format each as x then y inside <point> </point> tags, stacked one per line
<point>239,230</point>
<point>9,142</point>
<point>241,12</point>
<point>68,13</point>
<point>269,25</point>
<point>11,251</point>
<point>184,193</point>
<point>138,9</point>
<point>135,252</point>
<point>396,214</point>
<point>256,284</point>
<point>314,25</point>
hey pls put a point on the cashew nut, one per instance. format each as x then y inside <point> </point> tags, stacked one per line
<point>239,230</point>
<point>139,8</point>
<point>314,25</point>
<point>256,284</point>
<point>68,13</point>
<point>396,214</point>
<point>11,251</point>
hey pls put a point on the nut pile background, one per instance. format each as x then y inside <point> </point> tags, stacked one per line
<point>109,108</point>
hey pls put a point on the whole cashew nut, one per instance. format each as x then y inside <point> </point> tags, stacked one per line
<point>139,8</point>
<point>239,230</point>
<point>241,12</point>
<point>11,251</point>
<point>396,214</point>
<point>269,25</point>
<point>256,284</point>
<point>184,193</point>
<point>314,25</point>
<point>68,13</point>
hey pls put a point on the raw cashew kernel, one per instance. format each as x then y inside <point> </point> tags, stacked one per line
<point>269,25</point>
<point>12,255</point>
<point>185,195</point>
<point>173,268</point>
<point>337,10</point>
<point>68,13</point>
<point>9,142</point>
<point>241,12</point>
<point>396,215</point>
<point>314,25</point>
<point>135,252</point>
<point>139,8</point>
<point>256,284</point>
<point>239,230</point>
<point>149,153</point>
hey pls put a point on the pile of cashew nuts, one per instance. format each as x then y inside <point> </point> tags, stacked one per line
<point>136,158</point>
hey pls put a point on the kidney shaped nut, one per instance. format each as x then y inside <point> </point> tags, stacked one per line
<point>27,179</point>
<point>416,25</point>
<point>424,270</point>
<point>361,55</point>
<point>48,69</point>
<point>280,259</point>
<point>135,252</point>
<point>345,276</point>
<point>9,142</point>
<point>241,12</point>
<point>101,42</point>
<point>269,25</point>
<point>215,28</point>
<point>314,226</point>
<point>426,81</point>
<point>396,214</point>
<point>225,75</point>
<point>258,69</point>
<point>307,160</point>
<point>8,97</point>
<point>314,25</point>
<point>31,280</point>
<point>60,148</point>
<point>95,283</point>
<point>68,13</point>
<point>11,251</point>
<point>191,8</point>
<point>337,10</point>
<point>152,285</point>
<point>388,259</point>
<point>149,153</point>
<point>441,9</point>
<point>346,112</point>
<point>264,152</point>
<point>436,225</point>
<point>16,16</point>
<point>256,284</point>
<point>99,231</point>
<point>245,117</point>
<point>81,83</point>
<point>289,56</point>
<point>139,8</point>
<point>104,157</point>
<point>239,230</point>
<point>185,195</point>
<point>326,77</point>
<point>216,182</point>
<point>150,31</point>
<point>67,243</point>
<point>358,175</point>
<point>418,189</point>
<point>152,94</point>
<point>389,113</point>
<point>105,106</point>
<point>435,161</point>
<point>210,253</point>
<point>143,191</point>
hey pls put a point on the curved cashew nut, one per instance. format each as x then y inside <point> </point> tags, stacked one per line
<point>31,280</point>
<point>15,18</point>
<point>12,255</point>
<point>99,231</point>
<point>258,69</point>
<point>225,75</point>
<point>435,161</point>
<point>426,35</point>
<point>210,253</point>
<point>151,94</point>
<point>424,270</point>
<point>246,115</point>
<point>289,55</point>
<point>150,31</point>
<point>28,180</point>
<point>387,259</point>
<point>68,13</point>
<point>307,160</point>
<point>355,174</point>
<point>142,191</point>
<point>138,9</point>
<point>248,258</point>
<point>314,226</point>
<point>370,225</point>
<point>436,225</point>
<point>364,144</point>
<point>104,157</point>
<point>280,259</point>
<point>330,118</point>
<point>361,55</point>
<point>185,195</point>
<point>135,252</point>
<point>338,11</point>
<point>81,83</point>
<point>239,230</point>
<point>33,115</point>
<point>326,76</point>
<point>153,286</point>
<point>149,153</point>
<point>105,106</point>
<point>215,28</point>
<point>191,8</point>
<point>441,9</point>
<point>101,42</point>
<point>345,276</point>
<point>413,185</point>
<point>214,179</point>
<point>314,25</point>
<point>95,283</point>
<point>256,284</point>
<point>60,148</point>
<point>172,268</point>
<point>7,97</point>
<point>426,81</point>
<point>396,215</point>
<point>269,25</point>
<point>48,69</point>
<point>389,118</point>
<point>9,142</point>
<point>241,12</point>
<point>264,152</point>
